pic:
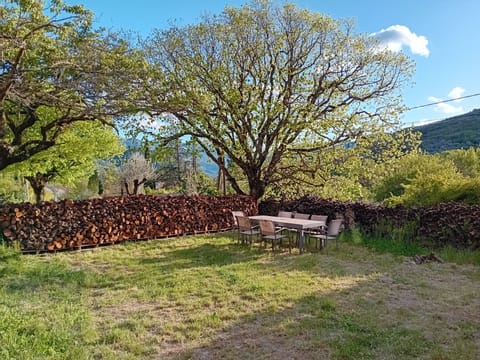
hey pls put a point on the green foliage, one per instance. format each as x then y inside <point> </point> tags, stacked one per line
<point>458,256</point>
<point>467,161</point>
<point>388,239</point>
<point>74,158</point>
<point>343,173</point>
<point>205,184</point>
<point>261,82</point>
<point>57,70</point>
<point>163,191</point>
<point>400,241</point>
<point>11,189</point>
<point>422,179</point>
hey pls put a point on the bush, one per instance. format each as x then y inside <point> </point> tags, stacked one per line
<point>420,179</point>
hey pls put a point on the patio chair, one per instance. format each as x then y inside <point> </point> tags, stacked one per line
<point>246,230</point>
<point>286,214</point>
<point>319,230</point>
<point>333,230</point>
<point>323,218</point>
<point>298,215</point>
<point>269,232</point>
<point>235,227</point>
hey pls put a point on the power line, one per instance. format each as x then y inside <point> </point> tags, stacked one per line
<point>443,101</point>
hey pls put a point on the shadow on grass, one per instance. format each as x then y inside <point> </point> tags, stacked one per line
<point>317,326</point>
<point>335,306</point>
<point>203,255</point>
<point>366,315</point>
<point>20,277</point>
<point>312,329</point>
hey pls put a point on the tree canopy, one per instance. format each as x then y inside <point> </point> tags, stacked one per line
<point>256,83</point>
<point>75,156</point>
<point>52,58</point>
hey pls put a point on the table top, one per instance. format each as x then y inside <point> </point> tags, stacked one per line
<point>301,223</point>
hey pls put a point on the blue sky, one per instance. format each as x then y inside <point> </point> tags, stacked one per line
<point>441,36</point>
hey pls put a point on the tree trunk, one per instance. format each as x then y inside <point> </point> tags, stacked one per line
<point>221,185</point>
<point>37,183</point>
<point>136,185</point>
<point>257,187</point>
<point>178,159</point>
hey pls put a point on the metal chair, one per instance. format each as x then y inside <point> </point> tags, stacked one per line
<point>323,218</point>
<point>286,214</point>
<point>245,229</point>
<point>269,232</point>
<point>319,230</point>
<point>333,229</point>
<point>236,213</point>
<point>298,215</point>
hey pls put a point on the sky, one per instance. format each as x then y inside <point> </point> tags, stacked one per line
<point>442,37</point>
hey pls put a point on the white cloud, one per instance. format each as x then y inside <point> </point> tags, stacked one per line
<point>456,92</point>
<point>445,108</point>
<point>396,36</point>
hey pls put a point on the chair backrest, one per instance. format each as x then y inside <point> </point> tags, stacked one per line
<point>319,218</point>
<point>334,227</point>
<point>244,223</point>
<point>322,218</point>
<point>301,216</point>
<point>235,214</point>
<point>267,227</point>
<point>285,214</point>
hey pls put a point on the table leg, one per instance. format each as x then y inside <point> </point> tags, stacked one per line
<point>301,242</point>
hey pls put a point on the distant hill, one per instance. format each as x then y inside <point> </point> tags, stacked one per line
<point>458,132</point>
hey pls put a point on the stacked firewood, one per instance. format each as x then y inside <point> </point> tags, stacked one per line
<point>72,224</point>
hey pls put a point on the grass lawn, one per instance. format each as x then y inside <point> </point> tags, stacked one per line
<point>206,297</point>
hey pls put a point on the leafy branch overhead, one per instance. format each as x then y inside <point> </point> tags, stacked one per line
<point>52,59</point>
<point>256,83</point>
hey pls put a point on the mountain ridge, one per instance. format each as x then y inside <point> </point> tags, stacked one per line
<point>456,132</point>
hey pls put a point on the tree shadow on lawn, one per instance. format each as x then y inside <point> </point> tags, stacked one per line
<point>197,255</point>
<point>21,278</point>
<point>202,255</point>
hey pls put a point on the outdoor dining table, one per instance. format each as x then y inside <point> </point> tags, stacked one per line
<point>293,223</point>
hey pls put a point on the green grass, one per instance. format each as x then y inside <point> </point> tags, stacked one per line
<point>206,297</point>
<point>461,257</point>
<point>397,246</point>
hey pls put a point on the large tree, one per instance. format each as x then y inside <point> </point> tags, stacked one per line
<point>51,58</point>
<point>75,156</point>
<point>258,82</point>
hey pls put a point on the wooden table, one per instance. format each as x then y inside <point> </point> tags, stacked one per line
<point>298,224</point>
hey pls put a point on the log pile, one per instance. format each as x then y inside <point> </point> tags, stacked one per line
<point>73,224</point>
